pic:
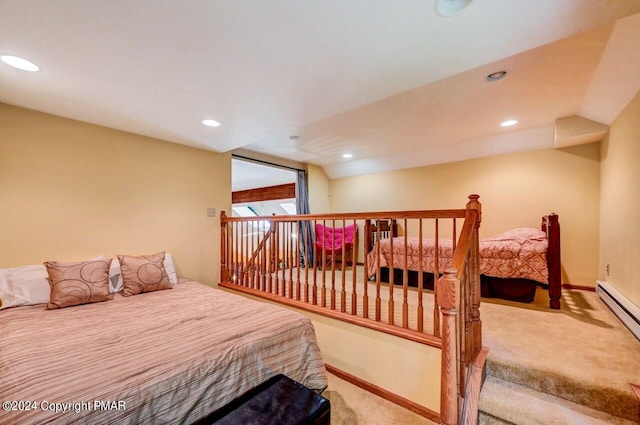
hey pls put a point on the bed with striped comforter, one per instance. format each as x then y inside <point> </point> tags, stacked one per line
<point>164,357</point>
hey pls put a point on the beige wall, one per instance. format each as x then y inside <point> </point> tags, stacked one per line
<point>71,190</point>
<point>405,368</point>
<point>318,184</point>
<point>620,204</point>
<point>515,191</point>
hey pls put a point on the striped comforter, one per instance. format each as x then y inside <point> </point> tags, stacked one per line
<point>164,357</point>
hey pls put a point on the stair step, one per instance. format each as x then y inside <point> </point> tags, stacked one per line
<point>615,401</point>
<point>503,402</point>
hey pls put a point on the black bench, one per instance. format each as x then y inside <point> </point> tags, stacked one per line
<point>277,401</point>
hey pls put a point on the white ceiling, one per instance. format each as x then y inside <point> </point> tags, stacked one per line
<point>250,175</point>
<point>390,81</point>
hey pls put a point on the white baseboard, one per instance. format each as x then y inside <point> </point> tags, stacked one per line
<point>626,311</point>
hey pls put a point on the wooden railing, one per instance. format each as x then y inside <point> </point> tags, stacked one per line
<point>417,285</point>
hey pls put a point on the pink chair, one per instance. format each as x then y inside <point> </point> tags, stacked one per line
<point>330,241</point>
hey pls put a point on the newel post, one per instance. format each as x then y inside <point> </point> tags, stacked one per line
<point>224,272</point>
<point>475,331</point>
<point>446,295</point>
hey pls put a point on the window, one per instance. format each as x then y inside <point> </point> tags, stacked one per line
<point>244,211</point>
<point>289,207</point>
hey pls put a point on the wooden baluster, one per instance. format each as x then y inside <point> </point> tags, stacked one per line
<point>365,275</point>
<point>256,256</point>
<point>282,262</point>
<point>315,268</point>
<point>469,415</point>
<point>275,257</point>
<point>447,302</point>
<point>307,260</point>
<point>463,327</point>
<point>343,293</point>
<point>297,254</point>
<point>290,260</point>
<point>323,302</point>
<point>272,246</point>
<point>247,255</point>
<point>378,300</point>
<point>405,283</point>
<point>333,268</point>
<point>230,252</point>
<point>259,257</point>
<point>391,279</point>
<point>264,268</point>
<point>454,239</point>
<point>436,276</point>
<point>281,253</point>
<point>241,255</point>
<point>234,267</point>
<point>224,240</point>
<point>286,261</point>
<point>354,259</point>
<point>420,279</point>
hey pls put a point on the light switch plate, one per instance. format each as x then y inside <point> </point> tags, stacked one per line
<point>211,212</point>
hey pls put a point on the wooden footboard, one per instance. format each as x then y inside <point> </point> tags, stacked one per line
<point>551,226</point>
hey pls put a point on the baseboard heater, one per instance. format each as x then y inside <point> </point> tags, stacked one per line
<point>626,311</point>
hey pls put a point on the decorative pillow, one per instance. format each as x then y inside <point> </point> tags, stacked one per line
<point>26,285</point>
<point>78,283</point>
<point>170,268</point>
<point>115,277</point>
<point>144,273</point>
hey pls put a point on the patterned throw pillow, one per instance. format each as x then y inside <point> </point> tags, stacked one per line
<point>78,283</point>
<point>144,273</point>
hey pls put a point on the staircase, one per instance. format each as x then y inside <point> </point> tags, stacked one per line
<point>535,399</point>
<point>569,367</point>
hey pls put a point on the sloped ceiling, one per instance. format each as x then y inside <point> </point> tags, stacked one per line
<point>390,81</point>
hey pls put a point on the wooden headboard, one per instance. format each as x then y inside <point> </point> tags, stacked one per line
<point>387,228</point>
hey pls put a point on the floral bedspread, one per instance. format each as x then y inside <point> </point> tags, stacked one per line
<point>516,253</point>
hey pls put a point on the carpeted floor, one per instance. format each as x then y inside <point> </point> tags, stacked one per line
<point>351,405</point>
<point>581,353</point>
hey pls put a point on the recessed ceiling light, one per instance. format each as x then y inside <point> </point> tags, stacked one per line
<point>347,155</point>
<point>211,123</point>
<point>509,123</point>
<point>294,137</point>
<point>495,76</point>
<point>19,63</point>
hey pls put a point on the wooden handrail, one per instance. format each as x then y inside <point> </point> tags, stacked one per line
<point>461,213</point>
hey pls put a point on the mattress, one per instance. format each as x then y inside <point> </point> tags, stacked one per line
<point>170,356</point>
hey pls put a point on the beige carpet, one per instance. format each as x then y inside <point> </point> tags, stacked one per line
<point>351,405</point>
<point>581,353</point>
